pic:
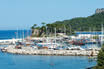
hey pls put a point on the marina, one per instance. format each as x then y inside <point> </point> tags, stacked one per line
<point>51,34</point>
<point>84,44</point>
<point>49,47</point>
<point>81,49</point>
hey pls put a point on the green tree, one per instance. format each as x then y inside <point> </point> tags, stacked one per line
<point>43,28</point>
<point>92,23</point>
<point>34,26</point>
<point>100,59</point>
<point>43,23</point>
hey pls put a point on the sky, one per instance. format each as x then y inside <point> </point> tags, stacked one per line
<point>22,14</point>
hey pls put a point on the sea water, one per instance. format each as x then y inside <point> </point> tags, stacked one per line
<point>12,61</point>
<point>9,34</point>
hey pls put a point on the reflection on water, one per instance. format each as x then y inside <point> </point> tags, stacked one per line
<point>10,61</point>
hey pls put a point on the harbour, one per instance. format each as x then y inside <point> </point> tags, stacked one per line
<point>51,34</point>
<point>31,56</point>
<point>56,45</point>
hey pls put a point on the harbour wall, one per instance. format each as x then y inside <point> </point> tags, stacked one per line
<point>30,51</point>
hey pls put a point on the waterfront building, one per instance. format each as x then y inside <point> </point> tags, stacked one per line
<point>85,34</point>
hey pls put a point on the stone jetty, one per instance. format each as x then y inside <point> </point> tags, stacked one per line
<point>32,51</point>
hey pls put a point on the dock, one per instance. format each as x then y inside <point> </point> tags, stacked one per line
<point>31,51</point>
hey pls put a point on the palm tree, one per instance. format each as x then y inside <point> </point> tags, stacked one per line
<point>49,28</point>
<point>35,25</point>
<point>43,23</point>
<point>43,27</point>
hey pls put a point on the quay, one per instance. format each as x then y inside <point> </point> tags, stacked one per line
<point>31,51</point>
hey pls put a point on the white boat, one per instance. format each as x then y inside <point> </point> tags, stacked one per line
<point>75,48</point>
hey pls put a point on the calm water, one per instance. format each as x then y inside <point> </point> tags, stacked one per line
<point>10,61</point>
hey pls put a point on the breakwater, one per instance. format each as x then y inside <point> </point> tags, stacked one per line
<point>32,51</point>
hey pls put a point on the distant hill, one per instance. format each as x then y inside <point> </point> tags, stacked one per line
<point>92,22</point>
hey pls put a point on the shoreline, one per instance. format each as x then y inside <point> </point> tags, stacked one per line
<point>30,51</point>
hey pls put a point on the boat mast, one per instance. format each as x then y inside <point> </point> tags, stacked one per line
<point>26,33</point>
<point>16,33</point>
<point>46,34</point>
<point>55,36</point>
<point>102,36</point>
<point>90,31</point>
<point>64,30</point>
<point>23,34</point>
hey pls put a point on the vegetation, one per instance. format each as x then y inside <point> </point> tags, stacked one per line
<point>96,37</point>
<point>85,23</point>
<point>90,23</point>
<point>34,26</point>
<point>100,59</point>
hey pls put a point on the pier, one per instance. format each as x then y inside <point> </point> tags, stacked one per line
<point>31,51</point>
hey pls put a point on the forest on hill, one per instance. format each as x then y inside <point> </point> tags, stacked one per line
<point>92,22</point>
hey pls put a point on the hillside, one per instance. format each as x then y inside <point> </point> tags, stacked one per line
<point>90,23</point>
<point>85,24</point>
